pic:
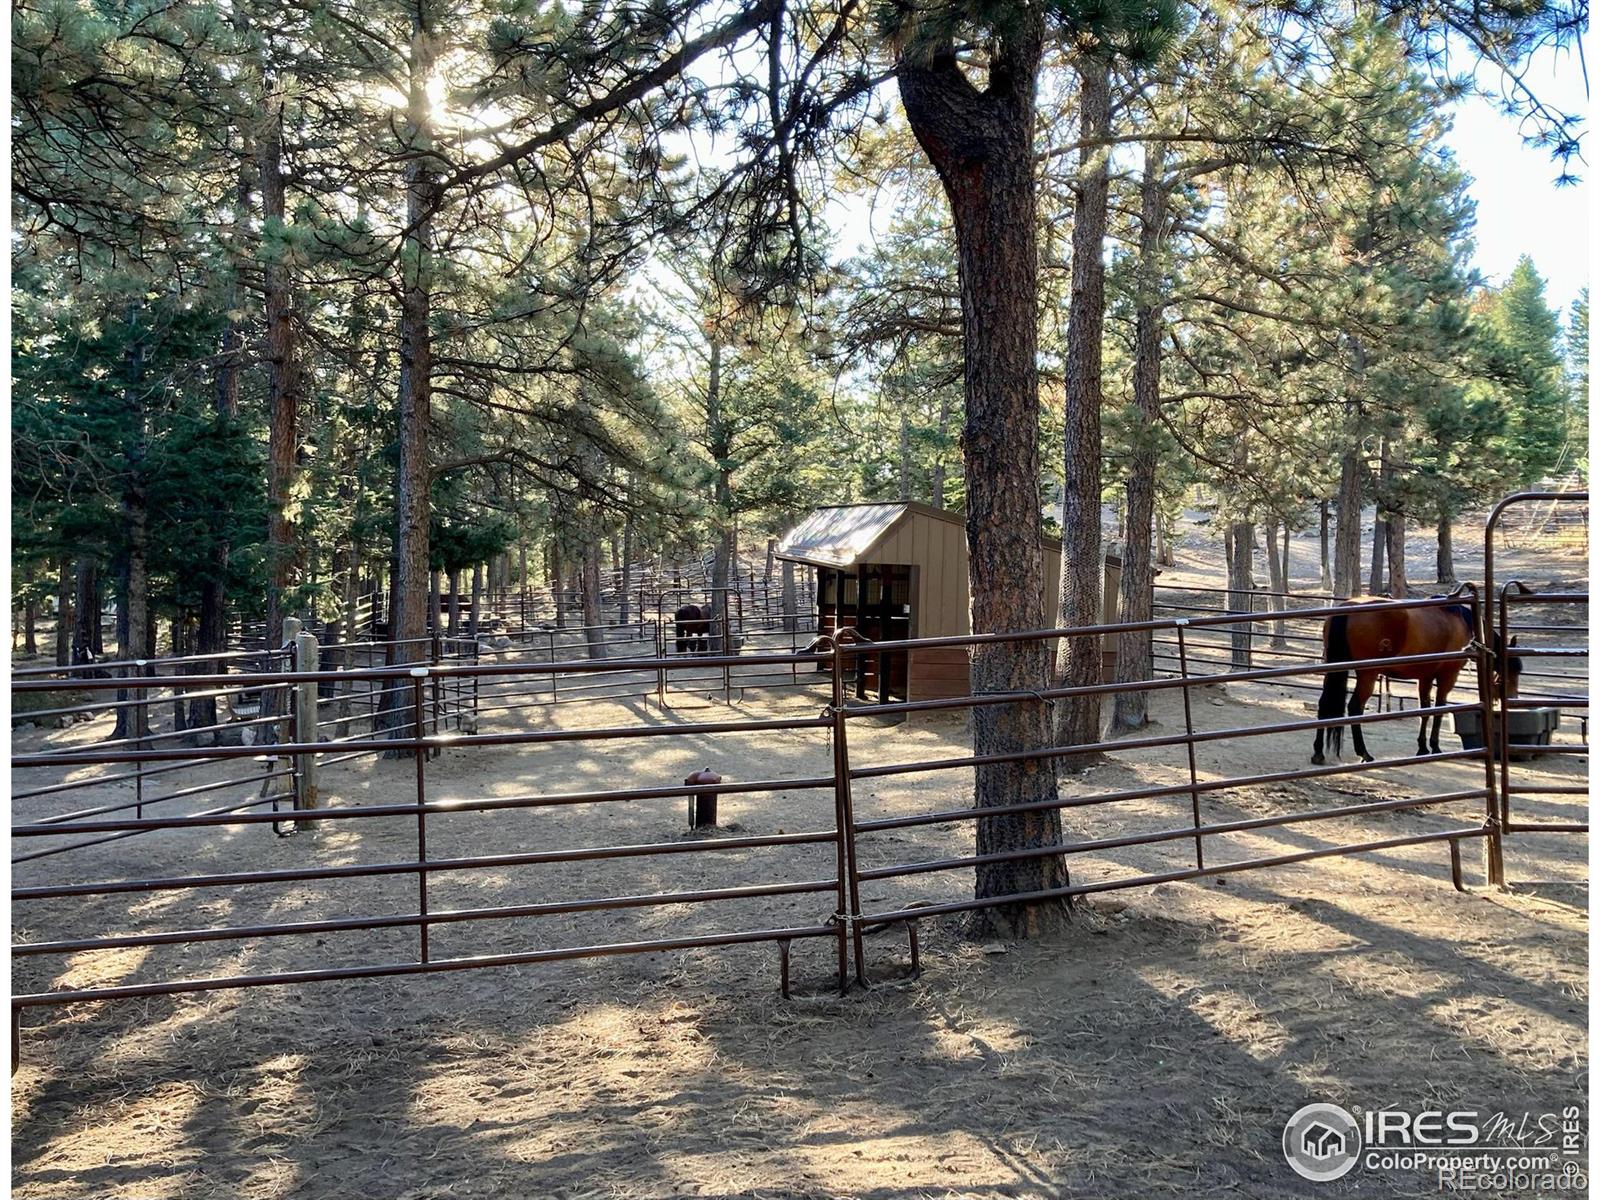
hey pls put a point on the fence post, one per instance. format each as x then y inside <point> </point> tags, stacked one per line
<point>1188,731</point>
<point>1494,863</point>
<point>305,721</point>
<point>844,804</point>
<point>419,757</point>
<point>436,654</point>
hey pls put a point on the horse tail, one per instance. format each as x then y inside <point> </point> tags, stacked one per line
<point>1335,684</point>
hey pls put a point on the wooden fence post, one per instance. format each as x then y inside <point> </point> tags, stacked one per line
<point>305,721</point>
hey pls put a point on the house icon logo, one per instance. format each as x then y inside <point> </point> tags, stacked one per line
<point>1321,1142</point>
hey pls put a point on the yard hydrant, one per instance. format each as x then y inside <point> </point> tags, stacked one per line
<point>702,805</point>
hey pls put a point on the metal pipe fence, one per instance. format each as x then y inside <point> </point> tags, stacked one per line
<point>1557,692</point>
<point>869,886</point>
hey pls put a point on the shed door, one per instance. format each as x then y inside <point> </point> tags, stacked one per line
<point>885,614</point>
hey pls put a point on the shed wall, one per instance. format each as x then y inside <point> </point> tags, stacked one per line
<point>939,548</point>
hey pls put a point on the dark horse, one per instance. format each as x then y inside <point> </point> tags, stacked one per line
<point>692,628</point>
<point>1397,633</point>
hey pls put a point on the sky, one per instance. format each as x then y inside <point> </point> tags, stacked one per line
<point>1520,208</point>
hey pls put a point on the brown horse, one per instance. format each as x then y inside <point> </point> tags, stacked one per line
<point>1397,633</point>
<point>692,628</point>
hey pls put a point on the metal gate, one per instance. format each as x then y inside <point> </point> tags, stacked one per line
<point>1541,712</point>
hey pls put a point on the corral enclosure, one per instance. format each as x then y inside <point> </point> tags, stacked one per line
<point>1327,975</point>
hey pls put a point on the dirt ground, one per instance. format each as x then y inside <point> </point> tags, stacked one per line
<point>1154,1047</point>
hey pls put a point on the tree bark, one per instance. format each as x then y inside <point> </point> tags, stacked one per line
<point>475,615</point>
<point>66,622</point>
<point>791,609</point>
<point>453,628</point>
<point>589,584</point>
<point>1380,542</point>
<point>1394,520</point>
<point>409,620</point>
<point>133,607</point>
<point>284,384</point>
<point>905,455</point>
<point>1279,582</point>
<point>1241,585</point>
<point>1135,655</point>
<point>558,586</point>
<point>719,443</point>
<point>1395,538</point>
<point>981,145</point>
<point>1322,534</point>
<point>1347,534</point>
<point>30,613</point>
<point>1446,558</point>
<point>1082,569</point>
<point>624,595</point>
<point>86,608</point>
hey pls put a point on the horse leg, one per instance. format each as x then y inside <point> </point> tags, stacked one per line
<point>1358,701</point>
<point>1447,680</point>
<point>1423,686</point>
<point>1316,751</point>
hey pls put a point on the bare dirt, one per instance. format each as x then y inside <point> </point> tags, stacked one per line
<point>1152,1048</point>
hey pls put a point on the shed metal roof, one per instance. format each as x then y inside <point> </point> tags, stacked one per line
<point>837,537</point>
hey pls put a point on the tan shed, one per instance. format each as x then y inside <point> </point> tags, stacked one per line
<point>896,571</point>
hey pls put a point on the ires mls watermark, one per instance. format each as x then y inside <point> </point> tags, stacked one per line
<point>1463,1150</point>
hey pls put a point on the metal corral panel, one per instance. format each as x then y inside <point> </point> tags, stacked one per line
<point>836,537</point>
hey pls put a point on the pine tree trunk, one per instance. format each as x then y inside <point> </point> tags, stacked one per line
<point>589,583</point>
<point>409,620</point>
<point>1135,654</point>
<point>1446,559</point>
<point>1347,533</point>
<point>1322,535</point>
<point>719,444</point>
<point>1241,588</point>
<point>347,653</point>
<point>558,585</point>
<point>1394,523</point>
<point>982,147</point>
<point>66,623</point>
<point>133,606</point>
<point>453,629</point>
<point>30,614</point>
<point>1380,543</point>
<point>1278,582</point>
<point>474,617</point>
<point>791,607</point>
<point>179,649</point>
<point>283,381</point>
<point>1395,539</point>
<point>905,455</point>
<point>624,595</point>
<point>1082,570</point>
<point>87,611</point>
